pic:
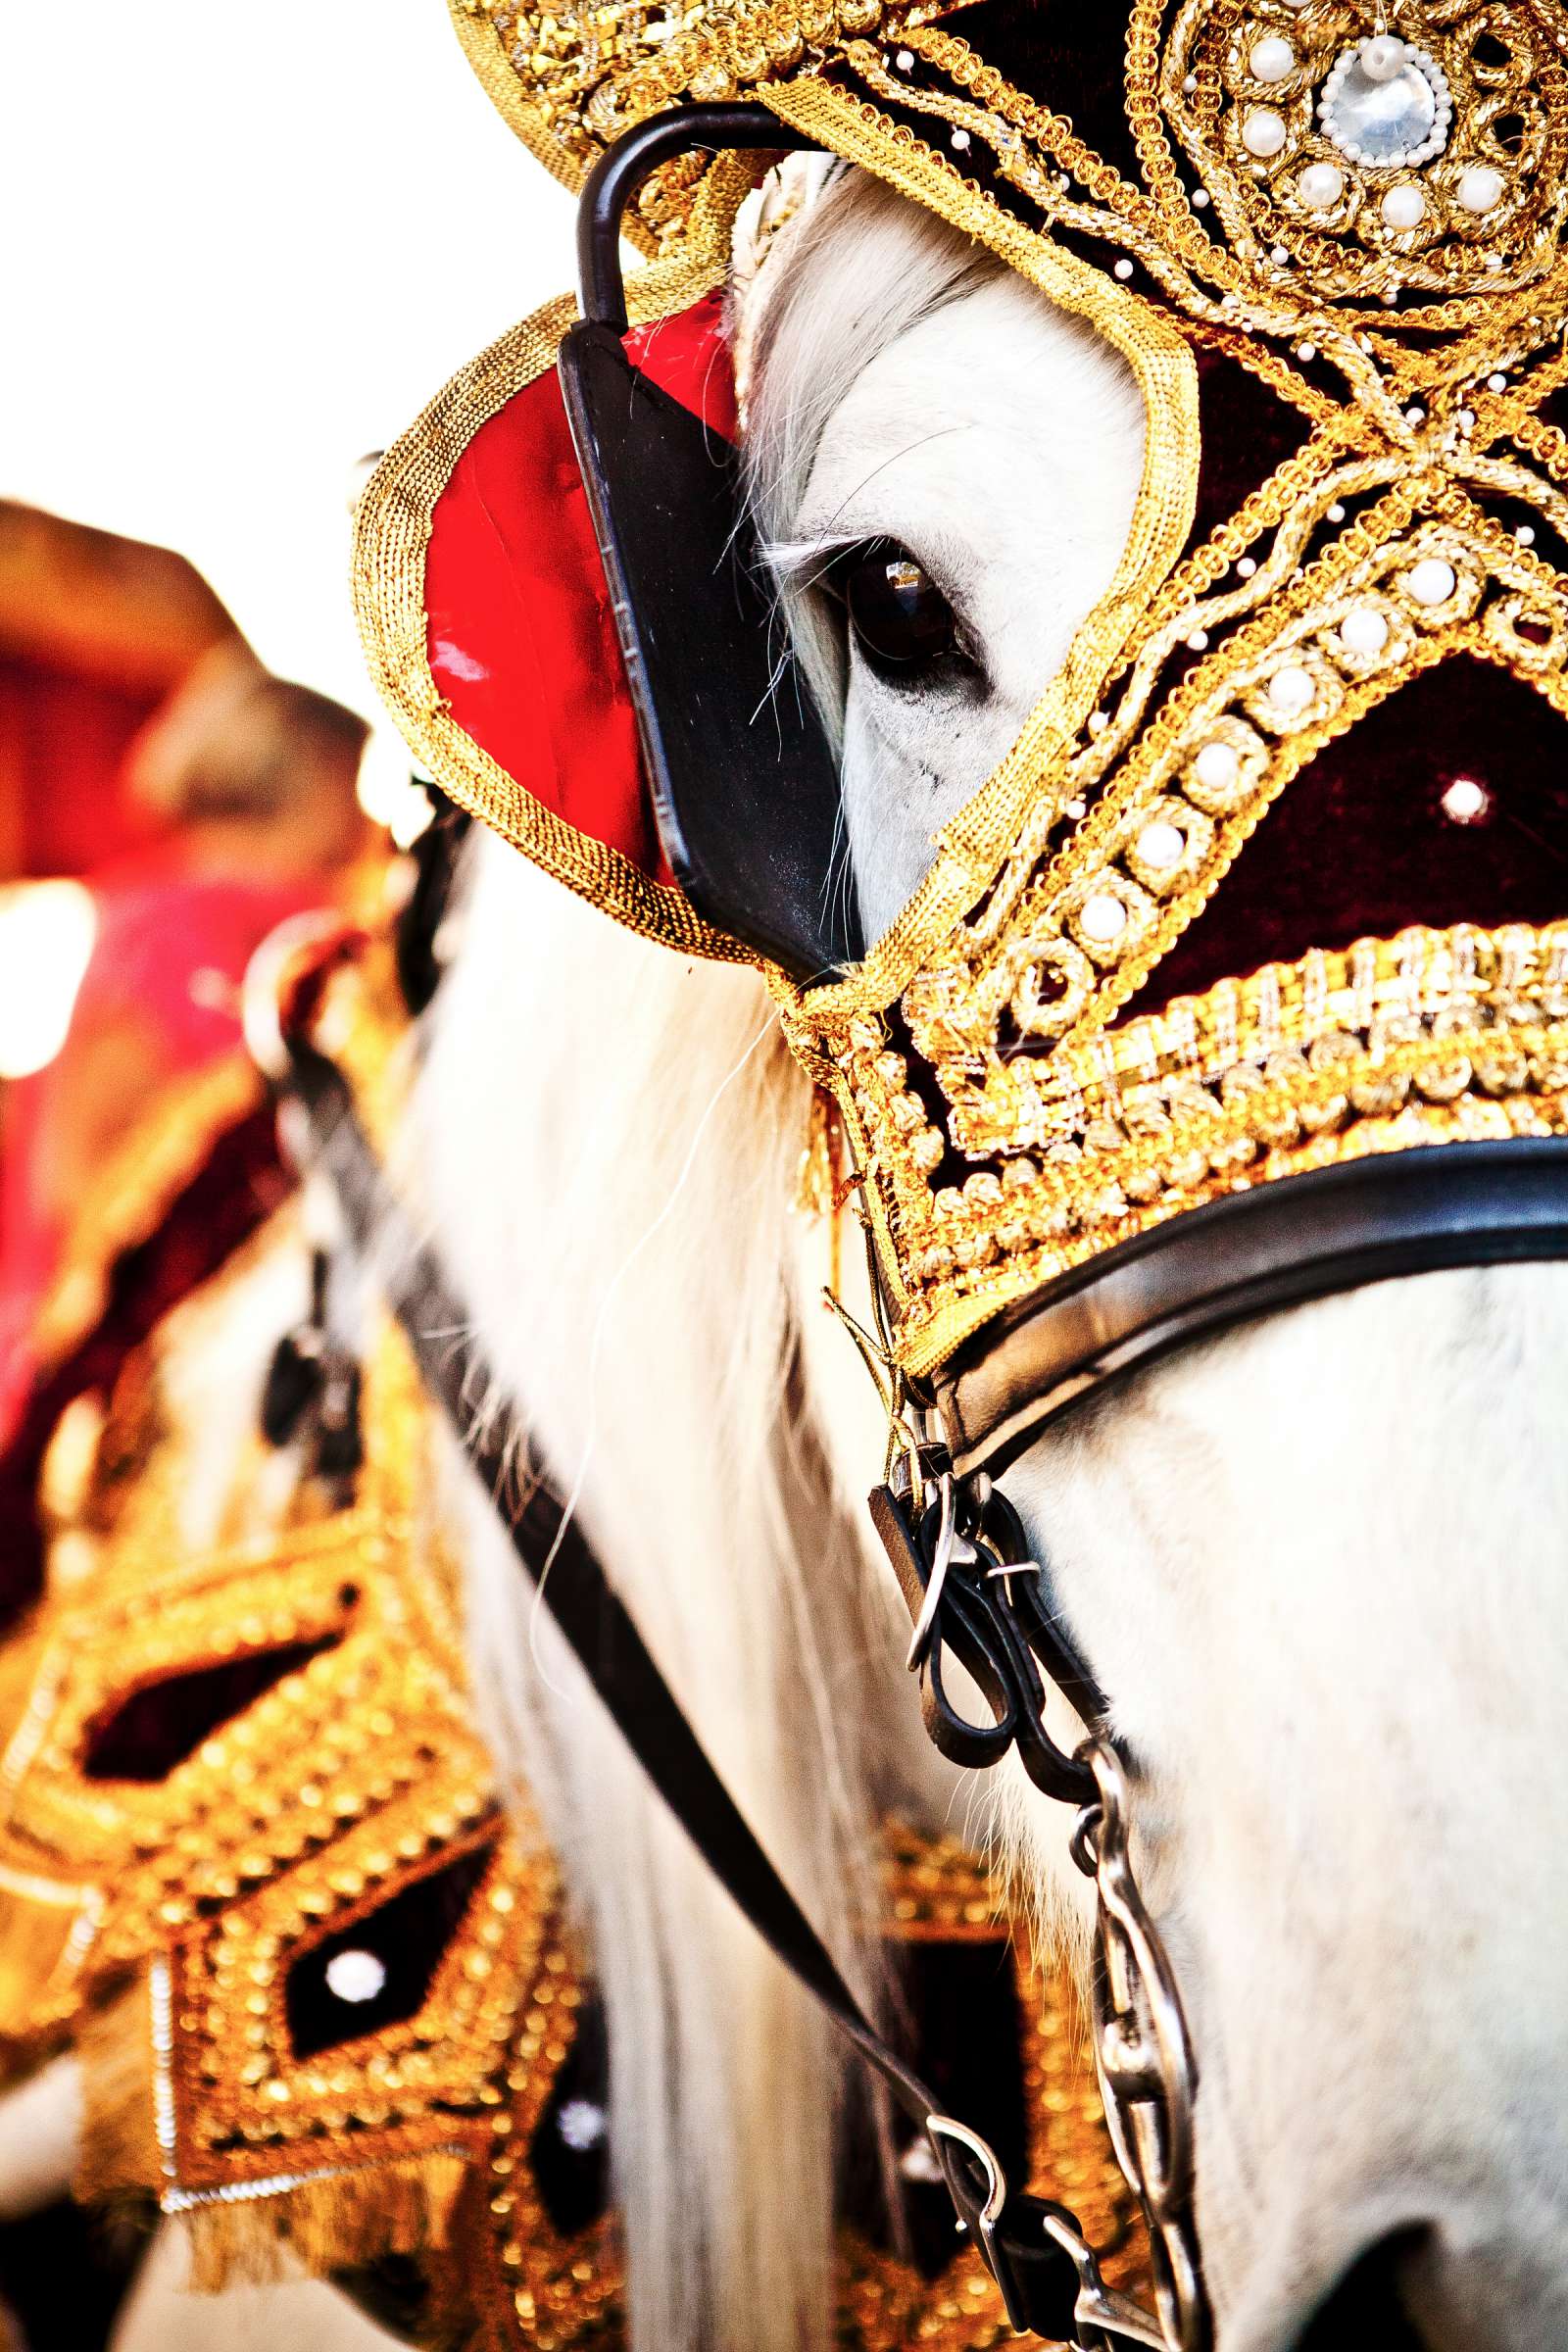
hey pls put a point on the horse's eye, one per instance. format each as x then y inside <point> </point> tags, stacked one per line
<point>903,620</point>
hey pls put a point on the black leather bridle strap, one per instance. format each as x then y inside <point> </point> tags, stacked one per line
<point>1251,1254</point>
<point>1039,2284</point>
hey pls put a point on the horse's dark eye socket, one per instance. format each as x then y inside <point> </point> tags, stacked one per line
<point>899,614</point>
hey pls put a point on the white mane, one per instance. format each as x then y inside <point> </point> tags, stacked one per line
<point>640,1131</point>
<point>1318,1564</point>
<point>641,1128</point>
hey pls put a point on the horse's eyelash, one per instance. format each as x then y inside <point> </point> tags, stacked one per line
<point>798,564</point>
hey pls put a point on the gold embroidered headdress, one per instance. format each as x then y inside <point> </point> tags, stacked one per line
<point>1273,878</point>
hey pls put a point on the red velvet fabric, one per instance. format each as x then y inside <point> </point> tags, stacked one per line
<point>1360,845</point>
<point>521,638</point>
<point>65,739</point>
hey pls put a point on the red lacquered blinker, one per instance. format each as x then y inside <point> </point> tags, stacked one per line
<point>523,641</point>
<point>600,622</point>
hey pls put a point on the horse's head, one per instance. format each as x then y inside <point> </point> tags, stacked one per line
<point>1152,420</point>
<point>1316,1564</point>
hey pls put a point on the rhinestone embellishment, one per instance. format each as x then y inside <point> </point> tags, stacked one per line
<point>355,1976</point>
<point>1466,803</point>
<point>1386,104</point>
<point>581,2124</point>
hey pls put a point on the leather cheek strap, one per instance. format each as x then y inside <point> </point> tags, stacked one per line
<point>1039,2281</point>
<point>996,1636</point>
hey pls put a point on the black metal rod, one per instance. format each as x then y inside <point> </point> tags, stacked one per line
<point>620,171</point>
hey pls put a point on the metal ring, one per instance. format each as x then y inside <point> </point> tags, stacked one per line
<point>943,2126</point>
<point>260,1011</point>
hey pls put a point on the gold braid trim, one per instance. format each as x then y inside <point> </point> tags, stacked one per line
<point>134,1190</point>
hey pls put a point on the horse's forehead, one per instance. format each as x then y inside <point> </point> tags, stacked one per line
<point>998,354</point>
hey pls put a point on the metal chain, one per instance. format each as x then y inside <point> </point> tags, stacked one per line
<point>1143,2055</point>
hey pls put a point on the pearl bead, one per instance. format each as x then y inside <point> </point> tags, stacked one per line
<point>1383,56</point>
<point>1336,512</point>
<point>1218,765</point>
<point>1431,581</point>
<point>355,1976</point>
<point>1123,269</point>
<point>1263,133</point>
<point>581,2124</point>
<point>1272,60</point>
<point>1497,383</point>
<point>1246,567</point>
<point>1102,918</point>
<point>1363,630</point>
<point>905,61</point>
<point>1480,188</point>
<point>1291,690</point>
<point>1161,847</point>
<point>1404,207</point>
<point>1320,186</point>
<point>1465,800</point>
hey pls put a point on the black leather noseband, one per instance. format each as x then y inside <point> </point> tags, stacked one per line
<point>1251,1254</point>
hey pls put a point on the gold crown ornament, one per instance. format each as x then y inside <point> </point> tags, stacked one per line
<point>1273,878</point>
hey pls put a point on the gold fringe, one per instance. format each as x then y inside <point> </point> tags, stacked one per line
<point>34,1941</point>
<point>339,2221</point>
<point>118,2137</point>
<point>330,2220</point>
<point>20,1656</point>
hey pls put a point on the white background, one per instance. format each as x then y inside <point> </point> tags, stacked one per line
<point>242,246</point>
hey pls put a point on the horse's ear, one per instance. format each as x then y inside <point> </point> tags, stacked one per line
<point>622,730</point>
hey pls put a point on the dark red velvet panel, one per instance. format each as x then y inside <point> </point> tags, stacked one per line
<point>1360,845</point>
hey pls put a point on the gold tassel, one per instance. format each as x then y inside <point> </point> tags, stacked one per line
<point>331,2220</point>
<point>339,2221</point>
<point>119,2134</point>
<point>819,1189</point>
<point>34,1998</point>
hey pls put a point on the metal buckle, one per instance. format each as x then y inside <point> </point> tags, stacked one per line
<point>1099,2309</point>
<point>944,2127</point>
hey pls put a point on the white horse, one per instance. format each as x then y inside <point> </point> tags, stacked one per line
<point>1316,1563</point>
